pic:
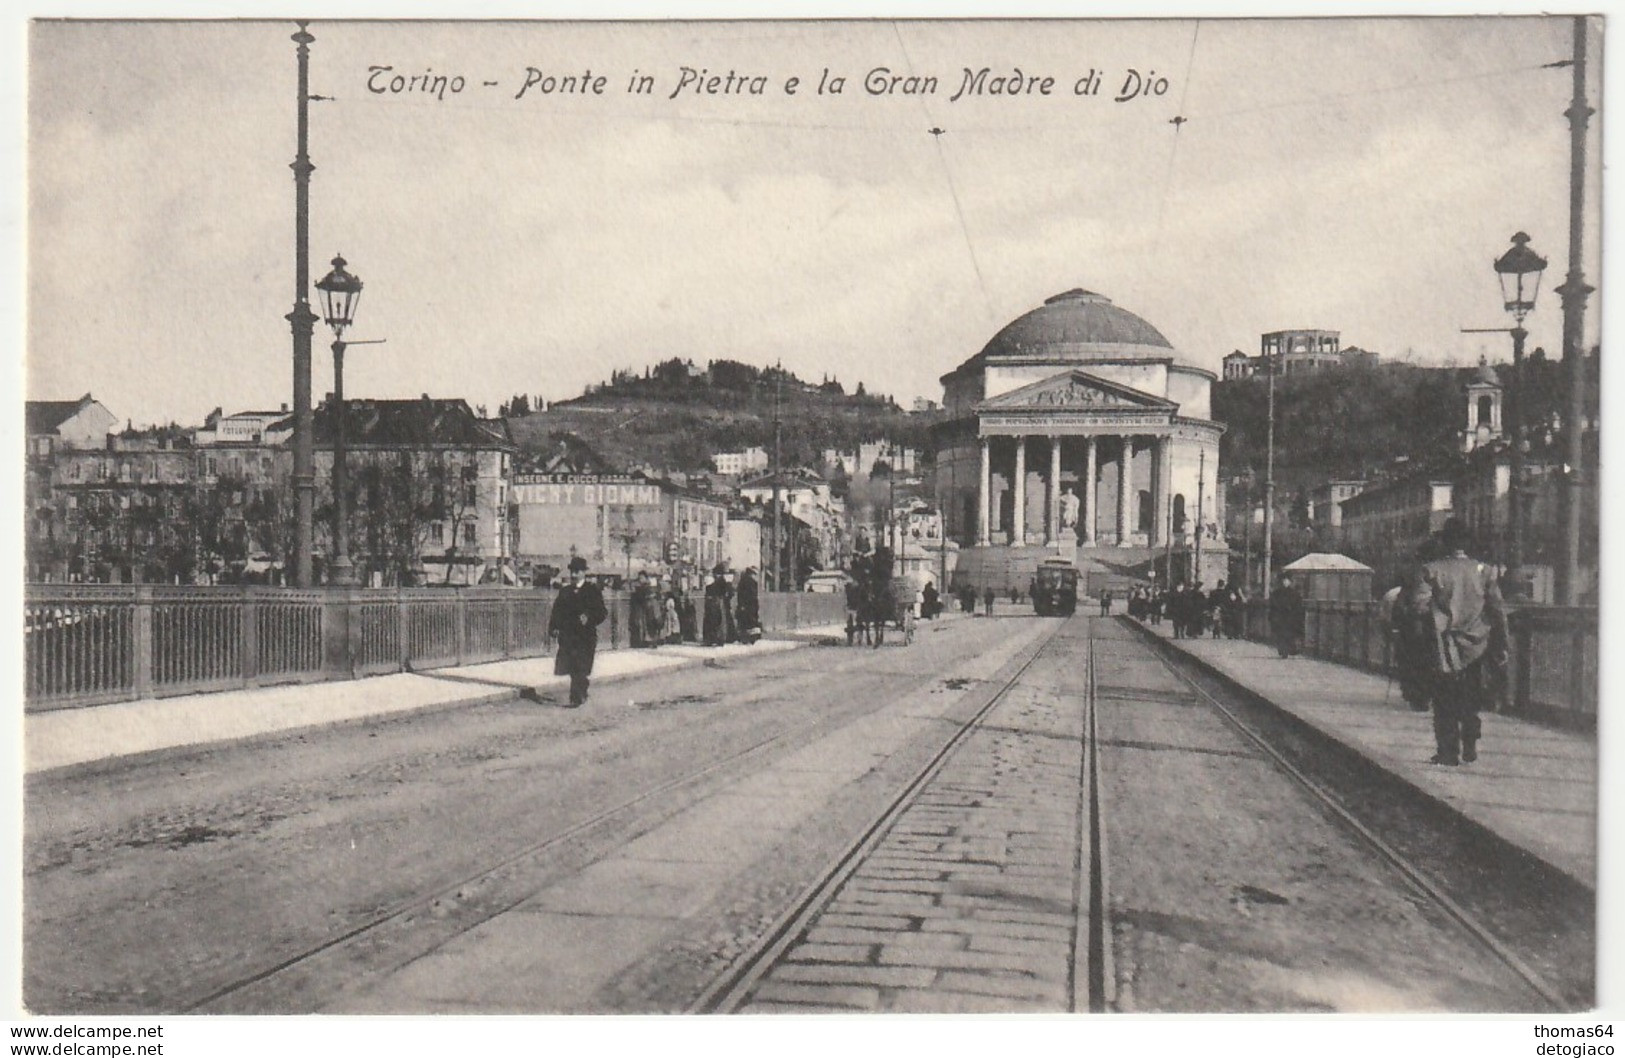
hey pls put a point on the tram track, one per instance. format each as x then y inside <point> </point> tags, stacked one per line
<point>1098,959</point>
<point>1311,752</point>
<point>470,895</point>
<point>1091,971</point>
<point>730,990</point>
<point>453,891</point>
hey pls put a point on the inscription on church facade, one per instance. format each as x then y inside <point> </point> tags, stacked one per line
<point>1072,421</point>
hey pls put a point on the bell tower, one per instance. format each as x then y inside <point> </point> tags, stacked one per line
<point>1483,408</point>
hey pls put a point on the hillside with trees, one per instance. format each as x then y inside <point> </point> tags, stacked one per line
<point>675,415</point>
<point>1354,422</point>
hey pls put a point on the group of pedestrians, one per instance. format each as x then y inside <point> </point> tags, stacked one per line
<point>1446,620</point>
<point>660,612</point>
<point>732,612</point>
<point>1220,613</point>
<point>1447,623</point>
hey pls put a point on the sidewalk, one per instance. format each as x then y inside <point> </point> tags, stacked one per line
<point>1532,785</point>
<point>64,737</point>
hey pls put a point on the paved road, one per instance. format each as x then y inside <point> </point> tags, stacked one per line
<point>1231,890</point>
<point>523,858</point>
<point>149,886</point>
<point>1227,888</point>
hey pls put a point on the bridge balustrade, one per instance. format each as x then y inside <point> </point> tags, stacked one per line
<point>1552,663</point>
<point>94,643</point>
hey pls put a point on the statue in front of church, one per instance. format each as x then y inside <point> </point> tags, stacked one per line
<point>1069,509</point>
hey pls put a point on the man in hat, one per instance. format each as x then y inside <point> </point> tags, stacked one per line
<point>748,607</point>
<point>1286,617</point>
<point>1470,639</point>
<point>638,626</point>
<point>719,625</point>
<point>577,613</point>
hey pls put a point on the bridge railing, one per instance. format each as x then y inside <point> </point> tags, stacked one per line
<point>90,644</point>
<point>1552,663</point>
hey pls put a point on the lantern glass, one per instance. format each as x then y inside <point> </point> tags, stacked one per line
<point>1519,270</point>
<point>340,292</point>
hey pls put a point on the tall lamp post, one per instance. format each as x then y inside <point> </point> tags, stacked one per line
<point>303,322</point>
<point>1519,270</point>
<point>1575,291</point>
<point>778,447</point>
<point>1269,476</point>
<point>340,292</point>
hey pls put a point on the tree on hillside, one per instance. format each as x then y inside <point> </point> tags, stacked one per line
<point>1339,423</point>
<point>733,375</point>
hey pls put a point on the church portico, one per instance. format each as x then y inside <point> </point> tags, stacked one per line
<point>1075,460</point>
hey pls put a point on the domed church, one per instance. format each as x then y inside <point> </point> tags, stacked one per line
<point>1079,432</point>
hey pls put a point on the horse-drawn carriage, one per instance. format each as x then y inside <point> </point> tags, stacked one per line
<point>876,601</point>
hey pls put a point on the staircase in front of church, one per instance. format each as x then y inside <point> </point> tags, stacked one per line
<point>1003,568</point>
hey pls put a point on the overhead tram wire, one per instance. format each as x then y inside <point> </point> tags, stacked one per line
<point>1178,122</point>
<point>936,132</point>
<point>1342,97</point>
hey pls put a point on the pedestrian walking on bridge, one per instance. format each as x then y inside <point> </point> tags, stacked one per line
<point>1286,617</point>
<point>748,608</point>
<point>720,626</point>
<point>1470,644</point>
<point>574,621</point>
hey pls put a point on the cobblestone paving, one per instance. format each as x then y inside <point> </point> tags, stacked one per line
<point>970,901</point>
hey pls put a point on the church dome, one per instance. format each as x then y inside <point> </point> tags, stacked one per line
<point>1077,325</point>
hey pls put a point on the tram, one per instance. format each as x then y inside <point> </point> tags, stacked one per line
<point>1055,588</point>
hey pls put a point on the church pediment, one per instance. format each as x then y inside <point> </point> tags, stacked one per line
<point>1076,390</point>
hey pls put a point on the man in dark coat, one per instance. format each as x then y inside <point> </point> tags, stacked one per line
<point>748,608</point>
<point>928,601</point>
<point>577,613</point>
<point>1470,637</point>
<point>719,617</point>
<point>1286,617</point>
<point>637,618</point>
<point>1233,612</point>
<point>1408,622</point>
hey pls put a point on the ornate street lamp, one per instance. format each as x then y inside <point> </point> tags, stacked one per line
<point>340,291</point>
<point>1519,271</point>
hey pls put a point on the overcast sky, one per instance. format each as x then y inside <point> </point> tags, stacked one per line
<point>1353,175</point>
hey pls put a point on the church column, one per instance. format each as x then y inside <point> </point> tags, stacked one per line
<point>1052,524</point>
<point>1090,495</point>
<point>1123,482</point>
<point>1161,491</point>
<point>984,488</point>
<point>1018,514</point>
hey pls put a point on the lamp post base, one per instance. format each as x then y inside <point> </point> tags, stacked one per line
<point>342,572</point>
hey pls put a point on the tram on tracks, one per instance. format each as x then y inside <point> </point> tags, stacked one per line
<point>1055,588</point>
